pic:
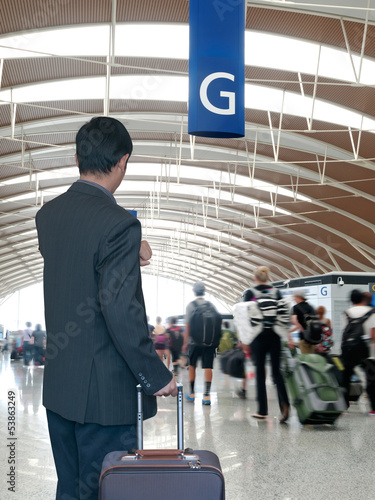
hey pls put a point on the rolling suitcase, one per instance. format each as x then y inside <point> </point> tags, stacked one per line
<point>233,363</point>
<point>167,474</point>
<point>313,389</point>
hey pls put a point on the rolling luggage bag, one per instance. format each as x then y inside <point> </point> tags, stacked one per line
<point>168,474</point>
<point>233,363</point>
<point>313,389</point>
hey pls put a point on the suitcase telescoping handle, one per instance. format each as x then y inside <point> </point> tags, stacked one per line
<point>180,423</point>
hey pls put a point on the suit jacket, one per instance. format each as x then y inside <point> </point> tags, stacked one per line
<point>98,347</point>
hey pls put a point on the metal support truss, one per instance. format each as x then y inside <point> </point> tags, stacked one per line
<point>357,75</point>
<point>110,57</point>
<point>252,167</point>
<point>322,168</point>
<point>356,148</point>
<point>294,186</point>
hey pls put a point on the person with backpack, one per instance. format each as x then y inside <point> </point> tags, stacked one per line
<point>307,323</point>
<point>273,313</point>
<point>358,332</point>
<point>176,340</point>
<point>202,335</point>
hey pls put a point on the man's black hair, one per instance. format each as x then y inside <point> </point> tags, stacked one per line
<point>100,145</point>
<point>356,296</point>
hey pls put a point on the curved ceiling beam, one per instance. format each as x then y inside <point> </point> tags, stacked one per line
<point>171,122</point>
<point>210,200</point>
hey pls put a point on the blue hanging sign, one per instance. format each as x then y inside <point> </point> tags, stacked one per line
<point>217,68</point>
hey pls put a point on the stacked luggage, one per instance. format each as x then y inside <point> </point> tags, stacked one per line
<point>313,388</point>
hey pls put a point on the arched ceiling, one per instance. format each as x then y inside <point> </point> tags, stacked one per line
<point>296,193</point>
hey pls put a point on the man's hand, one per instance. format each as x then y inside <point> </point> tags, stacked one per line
<point>168,390</point>
<point>145,253</point>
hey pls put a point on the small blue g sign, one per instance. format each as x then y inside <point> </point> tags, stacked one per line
<point>324,290</point>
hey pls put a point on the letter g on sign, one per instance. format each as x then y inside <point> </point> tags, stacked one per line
<point>231,95</point>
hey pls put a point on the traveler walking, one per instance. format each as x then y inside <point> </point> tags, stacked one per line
<point>202,335</point>
<point>267,341</point>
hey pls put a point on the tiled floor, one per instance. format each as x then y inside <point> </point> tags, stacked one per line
<point>260,460</point>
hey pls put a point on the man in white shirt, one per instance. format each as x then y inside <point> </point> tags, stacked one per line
<point>26,347</point>
<point>358,353</point>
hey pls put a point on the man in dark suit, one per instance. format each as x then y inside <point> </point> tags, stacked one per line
<point>98,347</point>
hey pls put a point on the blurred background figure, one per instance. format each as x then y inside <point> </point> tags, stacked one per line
<point>150,327</point>
<point>39,345</point>
<point>228,338</point>
<point>175,343</point>
<point>300,309</point>
<point>27,348</point>
<point>160,339</point>
<point>325,346</point>
<point>355,344</point>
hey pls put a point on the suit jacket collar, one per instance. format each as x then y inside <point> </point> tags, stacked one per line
<point>85,188</point>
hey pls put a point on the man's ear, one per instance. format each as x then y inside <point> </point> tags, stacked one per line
<point>75,156</point>
<point>123,162</point>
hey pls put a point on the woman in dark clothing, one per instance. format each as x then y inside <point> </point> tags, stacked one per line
<point>267,342</point>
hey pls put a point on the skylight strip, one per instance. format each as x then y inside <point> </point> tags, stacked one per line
<point>175,88</point>
<point>142,170</point>
<point>133,40</point>
<point>146,187</point>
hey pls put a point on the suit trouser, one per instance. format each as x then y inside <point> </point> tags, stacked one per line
<point>352,358</point>
<point>78,451</point>
<point>264,343</point>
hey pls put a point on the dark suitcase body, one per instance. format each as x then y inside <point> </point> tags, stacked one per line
<point>233,363</point>
<point>196,475</point>
<point>167,474</point>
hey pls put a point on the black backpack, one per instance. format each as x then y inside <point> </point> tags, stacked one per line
<point>205,325</point>
<point>313,327</point>
<point>354,332</point>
